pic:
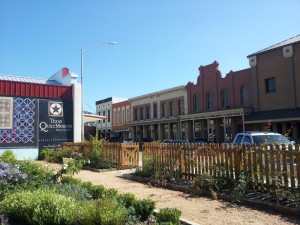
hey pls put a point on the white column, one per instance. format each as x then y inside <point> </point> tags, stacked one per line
<point>76,92</point>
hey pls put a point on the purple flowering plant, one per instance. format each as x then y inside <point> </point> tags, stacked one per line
<point>11,174</point>
<point>3,220</point>
<point>10,179</point>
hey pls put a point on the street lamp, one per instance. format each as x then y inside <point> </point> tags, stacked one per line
<point>81,75</point>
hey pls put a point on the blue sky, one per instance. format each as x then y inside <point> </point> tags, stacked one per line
<point>160,43</point>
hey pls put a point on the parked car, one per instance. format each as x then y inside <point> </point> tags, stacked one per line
<point>147,139</point>
<point>167,141</point>
<point>176,141</point>
<point>127,140</point>
<point>180,141</point>
<point>259,137</point>
<point>115,139</point>
<point>199,140</point>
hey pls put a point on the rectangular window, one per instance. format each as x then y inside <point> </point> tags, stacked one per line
<point>141,113</point>
<point>123,115</point>
<point>115,117</point>
<point>155,110</point>
<point>270,85</point>
<point>147,112</point>
<point>127,114</point>
<point>163,110</point>
<point>119,115</point>
<point>209,101</point>
<point>196,103</point>
<point>99,115</point>
<point>180,107</point>
<point>108,116</point>
<point>224,99</point>
<point>104,115</point>
<point>171,108</point>
<point>135,114</point>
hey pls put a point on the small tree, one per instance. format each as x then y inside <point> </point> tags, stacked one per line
<point>97,145</point>
<point>97,159</point>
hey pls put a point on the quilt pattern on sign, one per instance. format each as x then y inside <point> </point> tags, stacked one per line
<point>22,114</point>
<point>6,109</point>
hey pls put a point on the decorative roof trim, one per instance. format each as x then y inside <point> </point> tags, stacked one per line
<point>290,41</point>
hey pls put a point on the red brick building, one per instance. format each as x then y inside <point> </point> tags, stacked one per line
<point>120,116</point>
<point>215,100</point>
<point>250,99</point>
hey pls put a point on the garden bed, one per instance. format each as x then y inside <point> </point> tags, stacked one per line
<point>253,199</point>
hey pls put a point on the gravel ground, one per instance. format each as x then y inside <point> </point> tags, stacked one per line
<point>196,209</point>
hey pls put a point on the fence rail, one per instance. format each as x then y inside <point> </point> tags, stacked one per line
<point>266,165</point>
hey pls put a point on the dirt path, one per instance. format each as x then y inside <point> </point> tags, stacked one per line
<point>199,210</point>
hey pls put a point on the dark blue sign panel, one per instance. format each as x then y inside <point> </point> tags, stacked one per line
<point>55,122</point>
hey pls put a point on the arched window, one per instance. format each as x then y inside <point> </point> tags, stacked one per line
<point>196,103</point>
<point>209,103</point>
<point>244,96</point>
<point>224,99</point>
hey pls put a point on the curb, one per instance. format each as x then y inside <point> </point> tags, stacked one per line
<point>255,204</point>
<point>98,170</point>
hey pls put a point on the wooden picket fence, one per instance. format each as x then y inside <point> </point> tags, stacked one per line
<point>267,166</point>
<point>122,155</point>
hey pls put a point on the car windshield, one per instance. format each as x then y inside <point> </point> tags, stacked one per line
<point>270,139</point>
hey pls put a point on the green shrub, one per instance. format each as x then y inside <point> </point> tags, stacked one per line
<point>170,215</point>
<point>97,191</point>
<point>77,191</point>
<point>41,207</point>
<point>54,155</point>
<point>127,199</point>
<point>144,208</point>
<point>8,157</point>
<point>46,154</point>
<point>110,193</point>
<point>226,183</point>
<point>37,175</point>
<point>104,212</point>
<point>96,154</point>
<point>206,182</point>
<point>71,167</point>
<point>70,180</point>
<point>148,169</point>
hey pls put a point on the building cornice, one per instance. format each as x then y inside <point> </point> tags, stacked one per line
<point>158,93</point>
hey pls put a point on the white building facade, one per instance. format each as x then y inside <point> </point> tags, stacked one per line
<point>104,108</point>
<point>155,116</point>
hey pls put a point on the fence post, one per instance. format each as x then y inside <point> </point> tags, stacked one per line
<point>237,161</point>
<point>182,164</point>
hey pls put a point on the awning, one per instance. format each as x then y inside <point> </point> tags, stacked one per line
<point>216,114</point>
<point>121,131</point>
<point>92,118</point>
<point>279,115</point>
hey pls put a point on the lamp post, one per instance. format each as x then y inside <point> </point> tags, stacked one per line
<point>81,81</point>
